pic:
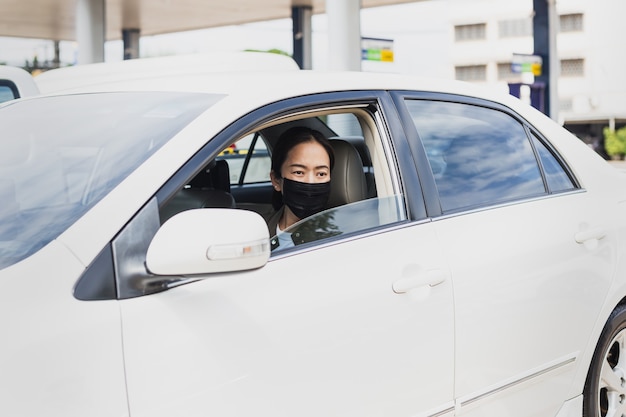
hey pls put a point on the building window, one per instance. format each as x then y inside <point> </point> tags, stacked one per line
<point>515,28</point>
<point>571,22</point>
<point>505,72</point>
<point>471,72</point>
<point>572,67</point>
<point>470,32</point>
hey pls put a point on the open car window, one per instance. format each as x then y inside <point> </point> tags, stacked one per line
<point>365,194</point>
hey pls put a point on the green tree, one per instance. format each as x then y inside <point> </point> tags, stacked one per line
<point>615,141</point>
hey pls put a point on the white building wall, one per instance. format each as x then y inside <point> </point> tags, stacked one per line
<point>605,55</point>
<point>599,94</point>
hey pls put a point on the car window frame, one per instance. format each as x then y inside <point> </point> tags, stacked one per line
<point>401,165</point>
<point>385,115</point>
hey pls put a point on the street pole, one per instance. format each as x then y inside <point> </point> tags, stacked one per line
<point>545,28</point>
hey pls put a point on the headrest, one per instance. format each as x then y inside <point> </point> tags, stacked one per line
<point>359,143</point>
<point>220,175</point>
<point>215,175</point>
<point>347,179</point>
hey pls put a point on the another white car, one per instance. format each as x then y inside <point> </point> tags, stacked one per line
<point>15,83</point>
<point>471,261</point>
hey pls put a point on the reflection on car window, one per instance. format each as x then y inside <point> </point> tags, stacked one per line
<point>63,154</point>
<point>350,218</point>
<point>556,176</point>
<point>479,156</point>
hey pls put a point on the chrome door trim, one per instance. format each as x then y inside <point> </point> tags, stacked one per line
<point>517,380</point>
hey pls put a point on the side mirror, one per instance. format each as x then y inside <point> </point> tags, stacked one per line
<point>210,240</point>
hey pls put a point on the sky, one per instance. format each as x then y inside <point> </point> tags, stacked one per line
<point>390,22</point>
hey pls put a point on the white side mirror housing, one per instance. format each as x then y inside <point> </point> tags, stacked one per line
<point>211,240</point>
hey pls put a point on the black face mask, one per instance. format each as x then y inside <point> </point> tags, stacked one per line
<point>305,199</point>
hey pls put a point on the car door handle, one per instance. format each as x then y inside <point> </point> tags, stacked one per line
<point>596,233</point>
<point>431,278</point>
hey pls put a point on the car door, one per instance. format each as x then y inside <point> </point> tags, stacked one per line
<point>517,232</point>
<point>60,355</point>
<point>355,324</point>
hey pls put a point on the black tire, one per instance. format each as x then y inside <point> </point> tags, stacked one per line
<point>605,388</point>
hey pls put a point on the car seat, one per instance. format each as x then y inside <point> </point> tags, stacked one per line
<point>348,183</point>
<point>210,188</point>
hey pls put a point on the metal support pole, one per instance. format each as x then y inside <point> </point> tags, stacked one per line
<point>344,34</point>
<point>545,27</point>
<point>90,30</point>
<point>302,34</point>
<point>131,43</point>
<point>56,61</point>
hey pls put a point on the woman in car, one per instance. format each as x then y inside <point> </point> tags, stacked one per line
<point>301,164</point>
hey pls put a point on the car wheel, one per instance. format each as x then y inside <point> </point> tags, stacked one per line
<point>605,388</point>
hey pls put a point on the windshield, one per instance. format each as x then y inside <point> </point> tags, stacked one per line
<point>60,155</point>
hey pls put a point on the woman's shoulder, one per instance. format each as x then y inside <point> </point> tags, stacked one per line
<point>272,220</point>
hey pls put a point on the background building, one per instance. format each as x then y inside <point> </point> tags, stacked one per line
<point>590,48</point>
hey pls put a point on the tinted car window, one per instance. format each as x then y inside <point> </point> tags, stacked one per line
<point>556,176</point>
<point>478,156</point>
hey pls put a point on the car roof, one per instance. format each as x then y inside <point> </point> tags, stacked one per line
<point>227,73</point>
<point>253,78</point>
<point>275,85</point>
<point>78,76</point>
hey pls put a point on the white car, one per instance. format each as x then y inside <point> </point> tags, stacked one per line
<point>15,83</point>
<point>471,261</point>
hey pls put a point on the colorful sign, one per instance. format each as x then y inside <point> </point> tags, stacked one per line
<point>374,49</point>
<point>526,64</point>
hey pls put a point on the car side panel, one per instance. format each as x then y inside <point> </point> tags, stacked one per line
<point>527,297</point>
<point>314,333</point>
<point>60,356</point>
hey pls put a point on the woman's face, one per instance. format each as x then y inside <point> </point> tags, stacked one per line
<point>306,162</point>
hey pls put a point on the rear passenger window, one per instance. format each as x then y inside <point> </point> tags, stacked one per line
<point>478,156</point>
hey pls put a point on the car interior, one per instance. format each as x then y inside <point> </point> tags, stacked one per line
<point>239,176</point>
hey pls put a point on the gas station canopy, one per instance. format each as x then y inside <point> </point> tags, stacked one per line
<point>56,19</point>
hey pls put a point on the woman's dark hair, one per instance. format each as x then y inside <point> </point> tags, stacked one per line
<point>288,140</point>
